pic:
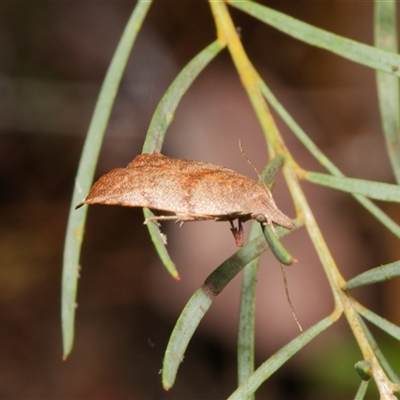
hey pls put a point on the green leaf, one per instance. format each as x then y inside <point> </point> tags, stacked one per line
<point>373,190</point>
<point>200,302</point>
<point>245,342</point>
<point>269,172</point>
<point>184,328</point>
<point>382,323</point>
<point>87,166</point>
<point>378,353</point>
<point>385,24</point>
<point>164,114</point>
<point>324,161</point>
<point>375,275</point>
<point>346,48</point>
<point>282,255</point>
<point>160,122</point>
<point>222,275</point>
<point>159,241</point>
<point>278,359</point>
<point>362,389</point>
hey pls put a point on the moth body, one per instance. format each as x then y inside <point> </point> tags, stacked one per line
<point>191,190</point>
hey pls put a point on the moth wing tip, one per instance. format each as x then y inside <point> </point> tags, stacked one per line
<point>80,205</point>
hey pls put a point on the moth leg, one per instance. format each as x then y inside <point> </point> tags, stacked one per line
<point>179,218</point>
<point>182,218</point>
<point>237,232</point>
<point>156,218</point>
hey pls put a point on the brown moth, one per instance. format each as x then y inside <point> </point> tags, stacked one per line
<point>191,190</point>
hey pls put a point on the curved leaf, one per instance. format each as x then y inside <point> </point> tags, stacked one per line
<point>159,241</point>
<point>278,359</point>
<point>159,124</point>
<point>200,302</point>
<point>276,246</point>
<point>187,323</point>
<point>87,165</point>
<point>164,114</point>
<point>346,48</point>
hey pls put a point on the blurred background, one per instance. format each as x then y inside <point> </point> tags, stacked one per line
<point>53,58</point>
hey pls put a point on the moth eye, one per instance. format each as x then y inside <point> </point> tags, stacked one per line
<point>260,218</point>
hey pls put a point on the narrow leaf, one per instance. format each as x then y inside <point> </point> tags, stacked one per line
<point>200,302</point>
<point>362,389</point>
<point>346,48</point>
<point>164,114</point>
<point>87,165</point>
<point>159,241</point>
<point>160,122</point>
<point>375,275</point>
<point>382,323</point>
<point>246,328</point>
<point>270,171</point>
<point>184,328</point>
<point>385,24</point>
<point>373,190</point>
<point>323,160</point>
<point>379,355</point>
<point>278,359</point>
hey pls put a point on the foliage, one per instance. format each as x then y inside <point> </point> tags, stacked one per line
<point>386,62</point>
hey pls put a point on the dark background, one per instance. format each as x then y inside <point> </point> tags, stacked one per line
<point>53,57</point>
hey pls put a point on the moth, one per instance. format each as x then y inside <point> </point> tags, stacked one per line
<point>189,190</point>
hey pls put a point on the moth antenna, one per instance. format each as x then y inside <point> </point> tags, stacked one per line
<point>288,297</point>
<point>248,160</point>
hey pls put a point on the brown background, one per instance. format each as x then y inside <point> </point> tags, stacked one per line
<point>53,57</point>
